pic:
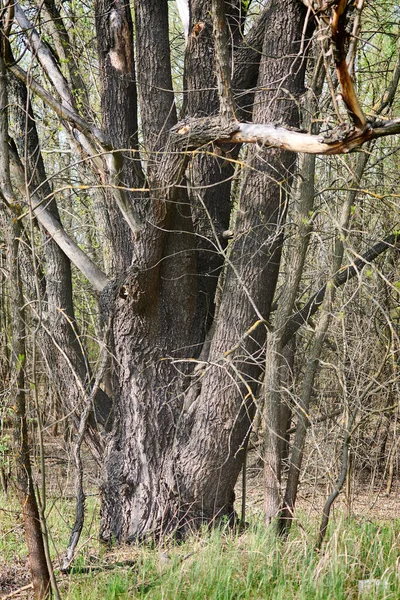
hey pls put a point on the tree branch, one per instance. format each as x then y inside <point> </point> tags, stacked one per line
<point>339,35</point>
<point>94,275</point>
<point>388,96</point>
<point>66,110</point>
<point>344,275</point>
<point>193,133</point>
<point>46,59</point>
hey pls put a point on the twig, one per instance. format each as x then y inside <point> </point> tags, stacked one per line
<point>80,494</point>
<point>18,591</point>
<point>246,335</point>
<point>345,274</point>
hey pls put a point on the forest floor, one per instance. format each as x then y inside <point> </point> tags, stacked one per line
<point>363,543</point>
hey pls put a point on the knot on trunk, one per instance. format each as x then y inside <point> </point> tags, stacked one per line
<point>195,132</point>
<point>107,299</point>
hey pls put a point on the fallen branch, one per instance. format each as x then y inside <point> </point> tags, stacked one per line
<point>18,591</point>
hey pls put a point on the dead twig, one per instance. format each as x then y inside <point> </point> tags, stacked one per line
<point>18,591</point>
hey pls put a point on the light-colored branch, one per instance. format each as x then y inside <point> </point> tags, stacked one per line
<point>65,113</point>
<point>194,133</point>
<point>81,260</point>
<point>46,59</point>
<point>66,110</point>
<point>95,138</point>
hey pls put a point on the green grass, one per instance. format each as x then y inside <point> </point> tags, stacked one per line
<point>222,566</point>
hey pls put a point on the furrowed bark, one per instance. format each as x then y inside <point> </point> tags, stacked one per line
<point>209,175</point>
<point>157,102</point>
<point>119,113</point>
<point>215,427</point>
<point>155,302</point>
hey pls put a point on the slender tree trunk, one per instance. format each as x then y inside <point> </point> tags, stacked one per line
<point>69,368</point>
<point>12,228</point>
<point>24,480</point>
<point>303,201</point>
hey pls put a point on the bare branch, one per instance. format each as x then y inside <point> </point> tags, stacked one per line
<point>344,275</point>
<point>66,114</point>
<point>66,110</point>
<point>388,96</point>
<point>96,277</point>
<point>193,133</point>
<point>79,487</point>
<point>43,54</point>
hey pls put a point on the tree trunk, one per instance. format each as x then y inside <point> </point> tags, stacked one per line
<point>70,373</point>
<point>296,459</point>
<point>176,448</point>
<point>12,228</point>
<point>274,407</point>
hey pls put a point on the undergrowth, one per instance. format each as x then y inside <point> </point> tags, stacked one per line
<point>217,564</point>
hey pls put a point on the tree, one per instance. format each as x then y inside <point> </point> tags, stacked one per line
<point>185,313</point>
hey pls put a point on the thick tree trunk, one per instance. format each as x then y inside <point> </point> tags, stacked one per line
<point>176,449</point>
<point>217,426</point>
<point>153,308</point>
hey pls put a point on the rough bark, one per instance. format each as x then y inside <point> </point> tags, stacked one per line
<point>114,30</point>
<point>155,304</point>
<point>214,430</point>
<point>209,174</point>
